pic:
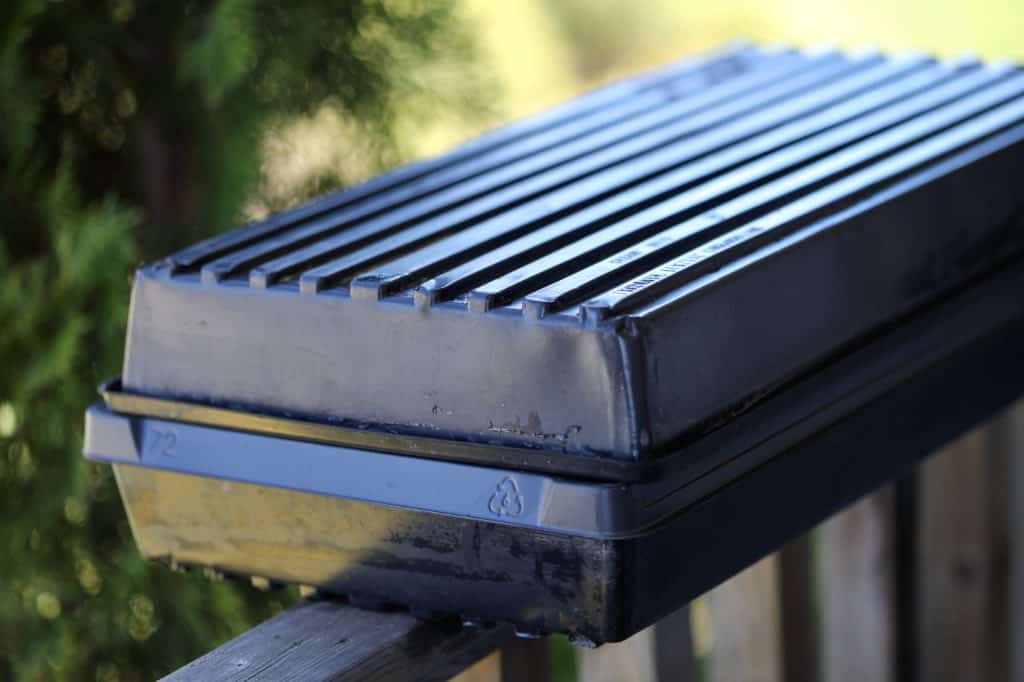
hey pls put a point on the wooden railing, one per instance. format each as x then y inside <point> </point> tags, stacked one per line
<point>922,580</point>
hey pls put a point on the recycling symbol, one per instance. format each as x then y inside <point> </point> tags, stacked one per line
<point>506,500</point>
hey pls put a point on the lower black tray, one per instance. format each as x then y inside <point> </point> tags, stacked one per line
<point>596,560</point>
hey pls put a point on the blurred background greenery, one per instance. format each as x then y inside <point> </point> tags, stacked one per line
<point>132,128</point>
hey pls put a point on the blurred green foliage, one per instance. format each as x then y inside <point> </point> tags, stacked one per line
<point>129,130</point>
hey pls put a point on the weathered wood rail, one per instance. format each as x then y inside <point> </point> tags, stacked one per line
<point>922,580</point>
<point>323,640</point>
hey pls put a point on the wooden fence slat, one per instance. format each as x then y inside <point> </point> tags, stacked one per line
<point>628,661</point>
<point>1000,444</point>
<point>857,581</point>
<point>661,653</point>
<point>952,562</point>
<point>1007,600</point>
<point>1014,443</point>
<point>800,619</point>
<point>520,660</point>
<point>321,640</point>
<point>746,626</point>
<point>674,653</point>
<point>955,563</point>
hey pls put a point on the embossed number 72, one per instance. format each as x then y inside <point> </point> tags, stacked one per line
<point>163,443</point>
